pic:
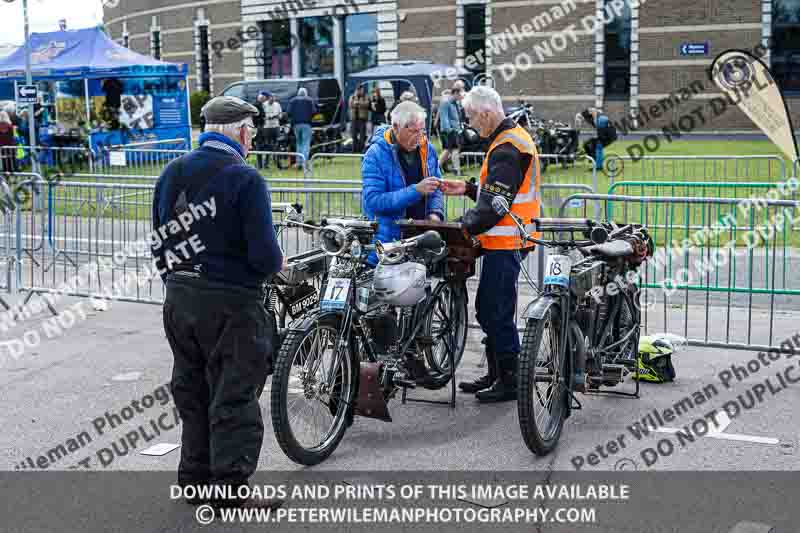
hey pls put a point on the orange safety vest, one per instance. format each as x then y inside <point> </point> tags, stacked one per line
<point>527,203</point>
<point>423,150</point>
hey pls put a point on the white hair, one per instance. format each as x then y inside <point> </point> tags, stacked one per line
<point>4,118</point>
<point>302,91</point>
<point>482,98</point>
<point>407,113</point>
<point>407,96</point>
<point>230,131</point>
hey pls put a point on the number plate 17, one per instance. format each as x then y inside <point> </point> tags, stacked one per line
<point>336,294</point>
<point>557,271</point>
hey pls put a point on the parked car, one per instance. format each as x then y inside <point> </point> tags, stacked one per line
<point>324,91</point>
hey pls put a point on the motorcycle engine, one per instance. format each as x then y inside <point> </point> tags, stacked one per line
<point>382,324</point>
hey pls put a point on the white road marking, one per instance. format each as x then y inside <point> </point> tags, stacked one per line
<point>128,376</point>
<point>717,432</point>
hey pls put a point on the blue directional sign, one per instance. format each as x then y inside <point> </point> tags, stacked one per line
<point>694,49</point>
<point>26,94</point>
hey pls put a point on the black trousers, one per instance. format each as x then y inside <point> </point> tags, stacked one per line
<point>359,134</point>
<point>267,139</point>
<point>222,342</point>
<point>495,304</point>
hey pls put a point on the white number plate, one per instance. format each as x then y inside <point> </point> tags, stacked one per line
<point>558,269</point>
<point>336,293</point>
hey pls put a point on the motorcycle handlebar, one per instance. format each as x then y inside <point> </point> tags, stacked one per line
<point>430,240</point>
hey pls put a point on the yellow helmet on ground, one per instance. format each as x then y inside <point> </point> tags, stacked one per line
<point>655,360</point>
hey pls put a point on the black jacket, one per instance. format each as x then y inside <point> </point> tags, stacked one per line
<point>258,120</point>
<point>506,172</point>
<point>232,218</point>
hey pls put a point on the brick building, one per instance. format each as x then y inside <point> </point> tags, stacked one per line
<point>182,32</point>
<point>550,52</point>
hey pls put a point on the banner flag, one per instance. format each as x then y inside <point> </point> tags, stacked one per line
<point>748,83</point>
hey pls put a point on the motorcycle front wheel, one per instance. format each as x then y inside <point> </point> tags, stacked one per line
<point>542,382</point>
<point>313,390</point>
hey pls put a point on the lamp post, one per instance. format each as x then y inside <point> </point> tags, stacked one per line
<point>29,81</point>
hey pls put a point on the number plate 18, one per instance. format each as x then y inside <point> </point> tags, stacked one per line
<point>558,269</point>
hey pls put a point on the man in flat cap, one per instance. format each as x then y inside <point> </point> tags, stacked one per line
<point>216,246</point>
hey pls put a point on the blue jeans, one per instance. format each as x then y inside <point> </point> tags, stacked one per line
<point>302,134</point>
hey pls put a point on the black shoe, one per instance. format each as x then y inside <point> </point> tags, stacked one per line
<point>500,391</point>
<point>472,387</point>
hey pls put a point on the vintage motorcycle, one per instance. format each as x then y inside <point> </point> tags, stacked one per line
<point>399,326</point>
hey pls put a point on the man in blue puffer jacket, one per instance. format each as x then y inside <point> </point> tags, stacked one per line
<point>400,174</point>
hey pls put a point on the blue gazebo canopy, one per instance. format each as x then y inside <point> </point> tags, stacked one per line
<point>87,53</point>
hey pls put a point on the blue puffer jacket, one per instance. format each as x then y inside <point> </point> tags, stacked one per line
<point>385,193</point>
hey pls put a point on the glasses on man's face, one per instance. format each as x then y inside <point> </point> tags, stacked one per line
<point>415,131</point>
<point>250,128</point>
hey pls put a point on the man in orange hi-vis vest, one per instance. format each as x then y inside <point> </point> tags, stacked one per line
<point>510,170</point>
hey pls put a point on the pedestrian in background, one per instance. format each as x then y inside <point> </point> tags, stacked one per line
<point>449,132</point>
<point>8,151</point>
<point>359,114</point>
<point>377,110</point>
<point>258,121</point>
<point>301,112</point>
<point>272,124</point>
<point>606,134</point>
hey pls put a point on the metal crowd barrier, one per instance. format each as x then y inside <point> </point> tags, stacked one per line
<point>127,161</point>
<point>560,170</point>
<point>737,260</point>
<point>51,159</point>
<point>89,224</point>
<point>703,168</point>
<point>178,144</point>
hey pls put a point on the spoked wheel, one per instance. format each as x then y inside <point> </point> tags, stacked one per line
<point>313,390</point>
<point>446,325</point>
<point>542,382</point>
<point>626,326</point>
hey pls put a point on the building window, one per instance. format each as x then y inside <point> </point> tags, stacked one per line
<point>360,42</point>
<point>204,67</point>
<point>316,46</point>
<point>618,55</point>
<point>475,38</point>
<point>785,52</point>
<point>275,51</point>
<point>155,43</point>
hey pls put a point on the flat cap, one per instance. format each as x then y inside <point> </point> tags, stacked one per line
<point>227,110</point>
